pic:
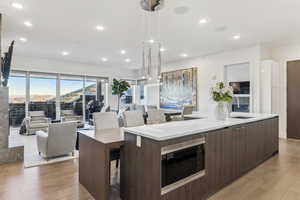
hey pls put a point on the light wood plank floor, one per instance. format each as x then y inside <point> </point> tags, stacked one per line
<point>276,179</point>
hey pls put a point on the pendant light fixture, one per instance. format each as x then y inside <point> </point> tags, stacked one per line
<point>151,50</point>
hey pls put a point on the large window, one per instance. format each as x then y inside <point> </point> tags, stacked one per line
<point>43,94</point>
<point>71,93</point>
<point>128,97</point>
<point>104,90</point>
<point>140,92</point>
<point>32,91</point>
<point>90,95</point>
<point>17,98</point>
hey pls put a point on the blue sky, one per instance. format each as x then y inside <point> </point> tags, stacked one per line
<point>40,86</point>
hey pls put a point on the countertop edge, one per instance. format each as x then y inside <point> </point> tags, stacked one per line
<point>214,128</point>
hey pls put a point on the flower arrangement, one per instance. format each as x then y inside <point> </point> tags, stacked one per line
<point>222,93</point>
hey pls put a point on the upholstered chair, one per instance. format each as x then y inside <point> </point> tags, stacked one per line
<point>58,141</point>
<point>140,107</point>
<point>105,108</point>
<point>70,116</point>
<point>151,107</point>
<point>36,121</point>
<point>108,120</point>
<point>133,118</point>
<point>156,117</point>
<point>105,120</point>
<point>187,110</point>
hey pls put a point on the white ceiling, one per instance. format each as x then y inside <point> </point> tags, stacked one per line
<point>69,25</point>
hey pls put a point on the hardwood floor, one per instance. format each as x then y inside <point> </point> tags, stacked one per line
<point>276,179</point>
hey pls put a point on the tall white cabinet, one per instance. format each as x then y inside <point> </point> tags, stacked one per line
<point>269,86</point>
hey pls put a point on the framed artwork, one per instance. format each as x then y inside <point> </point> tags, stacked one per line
<point>178,88</point>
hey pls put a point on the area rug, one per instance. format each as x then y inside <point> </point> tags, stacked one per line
<point>32,157</point>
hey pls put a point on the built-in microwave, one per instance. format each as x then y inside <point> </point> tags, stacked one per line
<point>182,163</point>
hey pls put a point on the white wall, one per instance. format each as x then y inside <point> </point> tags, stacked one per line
<point>211,69</point>
<point>282,55</point>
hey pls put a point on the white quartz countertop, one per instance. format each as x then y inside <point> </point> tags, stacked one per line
<point>171,130</point>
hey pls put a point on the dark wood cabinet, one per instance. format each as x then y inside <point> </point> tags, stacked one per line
<point>230,153</point>
<point>233,151</point>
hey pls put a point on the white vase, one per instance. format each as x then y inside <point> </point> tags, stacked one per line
<point>221,111</point>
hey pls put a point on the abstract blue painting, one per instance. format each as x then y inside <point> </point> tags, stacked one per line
<point>178,88</point>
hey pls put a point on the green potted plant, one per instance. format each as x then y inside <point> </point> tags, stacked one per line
<point>119,87</point>
<point>222,95</point>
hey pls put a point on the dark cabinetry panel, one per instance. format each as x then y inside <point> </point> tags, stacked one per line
<point>233,151</point>
<point>230,152</point>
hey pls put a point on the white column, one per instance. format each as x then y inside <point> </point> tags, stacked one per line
<point>58,114</point>
<point>83,99</point>
<point>106,94</point>
<point>137,94</point>
<point>134,94</point>
<point>27,94</point>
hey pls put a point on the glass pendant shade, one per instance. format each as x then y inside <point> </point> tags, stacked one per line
<point>151,60</point>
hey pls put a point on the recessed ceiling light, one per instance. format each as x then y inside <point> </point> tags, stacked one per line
<point>143,77</point>
<point>162,49</point>
<point>203,21</point>
<point>100,28</point>
<point>184,55</point>
<point>123,52</point>
<point>28,23</point>
<point>104,59</point>
<point>236,37</point>
<point>65,53</point>
<point>151,41</point>
<point>17,5</point>
<point>22,39</point>
<point>127,60</point>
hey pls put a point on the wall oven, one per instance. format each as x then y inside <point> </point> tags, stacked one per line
<point>182,163</point>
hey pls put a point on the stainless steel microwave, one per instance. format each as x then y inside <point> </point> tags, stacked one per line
<point>182,163</point>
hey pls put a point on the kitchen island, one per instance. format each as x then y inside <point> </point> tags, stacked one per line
<point>194,159</point>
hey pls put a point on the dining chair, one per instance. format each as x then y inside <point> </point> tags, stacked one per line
<point>141,107</point>
<point>133,118</point>
<point>187,110</point>
<point>105,108</point>
<point>151,107</point>
<point>156,117</point>
<point>108,120</point>
<point>105,120</point>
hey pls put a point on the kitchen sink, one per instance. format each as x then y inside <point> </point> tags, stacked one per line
<point>241,117</point>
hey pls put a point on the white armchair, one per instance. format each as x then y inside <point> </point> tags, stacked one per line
<point>59,140</point>
<point>36,121</point>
